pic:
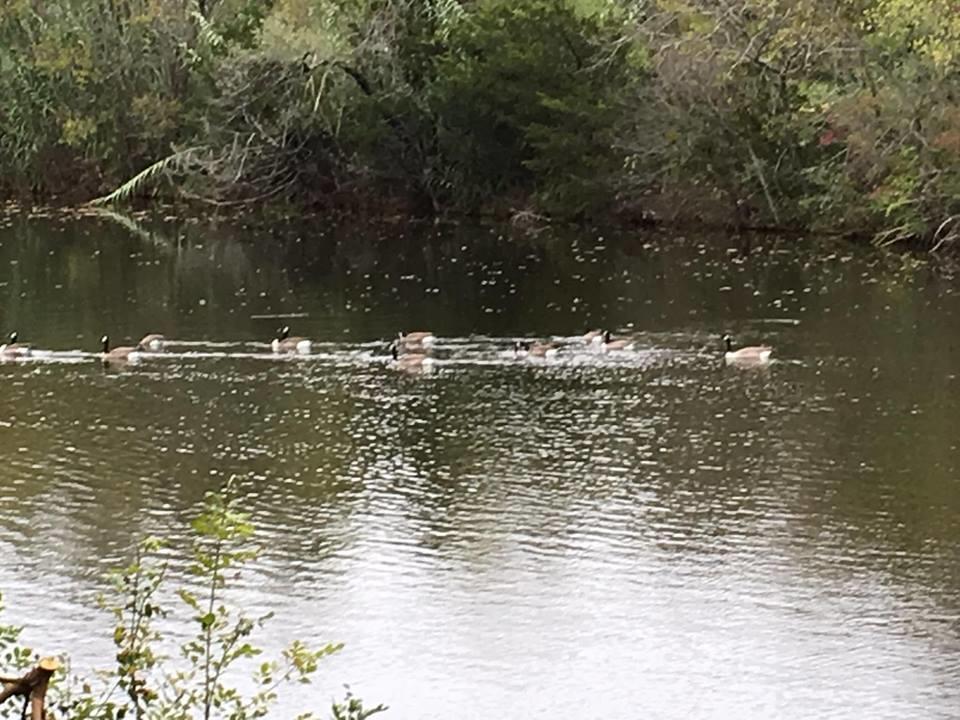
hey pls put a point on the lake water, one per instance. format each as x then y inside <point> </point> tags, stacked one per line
<point>645,534</point>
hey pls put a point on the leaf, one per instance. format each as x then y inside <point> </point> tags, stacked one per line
<point>177,161</point>
<point>189,598</point>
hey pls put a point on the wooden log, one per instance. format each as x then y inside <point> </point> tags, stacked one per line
<point>32,687</point>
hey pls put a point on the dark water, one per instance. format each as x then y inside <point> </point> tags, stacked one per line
<point>599,535</point>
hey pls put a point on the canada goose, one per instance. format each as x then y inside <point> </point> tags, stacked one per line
<point>610,344</point>
<point>593,337</point>
<point>153,342</point>
<point>754,354</point>
<point>119,354</point>
<point>416,338</point>
<point>283,343</point>
<point>13,349</point>
<point>409,361</point>
<point>535,349</point>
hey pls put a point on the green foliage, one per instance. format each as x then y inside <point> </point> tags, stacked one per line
<point>222,546</point>
<point>99,87</point>
<point>238,24</point>
<point>15,656</point>
<point>525,98</point>
<point>134,633</point>
<point>148,685</point>
<point>141,180</point>
<point>818,114</point>
<point>352,709</point>
<point>810,113</point>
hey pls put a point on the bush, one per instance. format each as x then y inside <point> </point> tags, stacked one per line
<point>793,112</point>
<point>525,98</point>
<point>146,684</point>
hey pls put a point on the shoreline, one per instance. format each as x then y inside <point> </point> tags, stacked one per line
<point>393,211</point>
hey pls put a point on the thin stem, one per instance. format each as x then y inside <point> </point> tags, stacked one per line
<point>763,183</point>
<point>208,640</point>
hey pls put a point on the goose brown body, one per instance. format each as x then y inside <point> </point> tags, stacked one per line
<point>535,349</point>
<point>284,343</point>
<point>124,353</point>
<point>409,360</point>
<point>752,354</point>
<point>12,349</point>
<point>153,341</point>
<point>610,344</point>
<point>421,337</point>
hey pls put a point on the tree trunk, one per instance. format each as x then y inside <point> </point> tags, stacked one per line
<point>32,687</point>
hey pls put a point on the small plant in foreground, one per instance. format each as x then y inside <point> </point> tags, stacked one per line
<point>145,684</point>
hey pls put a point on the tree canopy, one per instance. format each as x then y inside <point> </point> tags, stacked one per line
<point>822,114</point>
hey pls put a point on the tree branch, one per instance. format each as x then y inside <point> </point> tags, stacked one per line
<point>32,687</point>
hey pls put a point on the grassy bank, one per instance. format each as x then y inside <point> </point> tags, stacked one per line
<point>820,115</point>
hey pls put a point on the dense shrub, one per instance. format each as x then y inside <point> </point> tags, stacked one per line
<point>807,113</point>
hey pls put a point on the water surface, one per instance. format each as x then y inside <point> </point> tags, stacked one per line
<point>617,535</point>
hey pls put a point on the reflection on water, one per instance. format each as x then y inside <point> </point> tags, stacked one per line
<point>637,534</point>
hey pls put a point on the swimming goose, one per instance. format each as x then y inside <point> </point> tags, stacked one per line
<point>13,349</point>
<point>124,353</point>
<point>153,342</point>
<point>423,337</point>
<point>283,343</point>
<point>610,344</point>
<point>535,349</point>
<point>408,360</point>
<point>754,354</point>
